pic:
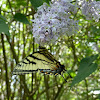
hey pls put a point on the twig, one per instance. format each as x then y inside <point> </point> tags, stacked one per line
<point>6,69</point>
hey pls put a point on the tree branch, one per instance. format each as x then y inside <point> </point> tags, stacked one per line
<point>6,69</point>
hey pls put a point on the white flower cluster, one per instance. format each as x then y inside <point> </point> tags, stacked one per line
<point>91,9</point>
<point>54,21</point>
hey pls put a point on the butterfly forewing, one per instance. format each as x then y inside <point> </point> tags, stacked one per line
<point>34,62</point>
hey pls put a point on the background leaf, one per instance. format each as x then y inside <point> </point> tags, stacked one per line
<point>3,26</point>
<point>85,69</point>
<point>37,3</point>
<point>99,96</point>
<point>21,18</point>
<point>2,17</point>
<point>21,2</point>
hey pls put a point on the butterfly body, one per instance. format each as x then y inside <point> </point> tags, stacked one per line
<point>42,61</point>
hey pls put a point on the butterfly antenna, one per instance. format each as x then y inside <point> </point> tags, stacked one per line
<point>68,74</point>
<point>63,78</point>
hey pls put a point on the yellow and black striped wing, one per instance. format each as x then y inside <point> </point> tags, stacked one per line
<point>35,62</point>
<point>41,60</point>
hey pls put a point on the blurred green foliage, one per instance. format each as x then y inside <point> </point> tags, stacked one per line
<point>75,52</point>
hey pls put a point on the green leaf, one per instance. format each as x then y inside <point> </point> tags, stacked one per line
<point>94,30</point>
<point>86,68</point>
<point>3,26</point>
<point>2,17</point>
<point>98,96</point>
<point>47,1</point>
<point>21,2</point>
<point>21,18</point>
<point>37,3</point>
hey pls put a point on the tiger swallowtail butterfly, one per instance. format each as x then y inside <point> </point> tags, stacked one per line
<point>42,61</point>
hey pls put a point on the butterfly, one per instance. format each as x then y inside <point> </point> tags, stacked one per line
<point>42,61</point>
